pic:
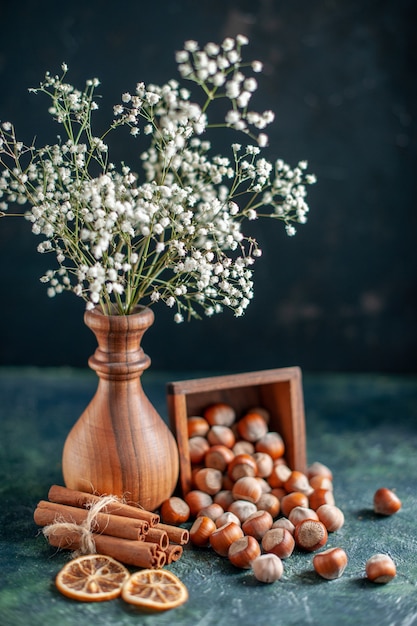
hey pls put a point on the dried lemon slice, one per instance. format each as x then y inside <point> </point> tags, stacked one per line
<point>154,590</point>
<point>92,578</point>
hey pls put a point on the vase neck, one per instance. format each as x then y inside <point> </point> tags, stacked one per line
<point>119,353</point>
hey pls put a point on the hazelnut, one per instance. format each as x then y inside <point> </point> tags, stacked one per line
<point>247,488</point>
<point>223,537</point>
<point>321,482</point>
<point>243,552</point>
<point>252,427</point>
<point>291,500</point>
<point>265,486</point>
<point>197,426</point>
<point>272,443</point>
<point>299,513</point>
<point>197,500</point>
<point>257,524</point>
<point>224,498</point>
<point>310,535</point>
<point>319,497</point>
<point>297,481</point>
<point>227,517</point>
<point>218,457</point>
<point>242,509</point>
<point>213,511</point>
<point>198,447</point>
<point>331,563</point>
<point>319,469</point>
<point>220,413</point>
<point>279,474</point>
<point>174,511</point>
<point>243,447</point>
<point>261,411</point>
<point>269,502</point>
<point>386,502</point>
<point>264,464</point>
<point>380,568</point>
<point>279,541</point>
<point>267,568</point>
<point>284,522</point>
<point>201,531</point>
<point>331,516</point>
<point>208,480</point>
<point>241,465</point>
<point>221,435</point>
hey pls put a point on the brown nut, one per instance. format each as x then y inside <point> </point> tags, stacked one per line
<point>222,538</point>
<point>269,502</point>
<point>331,516</point>
<point>174,511</point>
<point>264,464</point>
<point>284,522</point>
<point>297,481</point>
<point>380,568</point>
<point>279,541</point>
<point>213,511</point>
<point>243,447</point>
<point>291,500</point>
<point>319,469</point>
<point>197,426</point>
<point>272,443</point>
<point>279,474</point>
<point>247,488</point>
<point>321,482</point>
<point>252,427</point>
<point>242,509</point>
<point>267,568</point>
<point>257,524</point>
<point>220,413</point>
<point>241,465</point>
<point>198,446</point>
<point>224,498</point>
<point>227,517</point>
<point>310,535</point>
<point>298,513</point>
<point>197,500</point>
<point>201,531</point>
<point>331,563</point>
<point>386,502</point>
<point>208,480</point>
<point>243,552</point>
<point>221,435</point>
<point>218,457</point>
<point>319,497</point>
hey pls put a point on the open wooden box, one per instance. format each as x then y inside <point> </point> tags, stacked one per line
<point>278,390</point>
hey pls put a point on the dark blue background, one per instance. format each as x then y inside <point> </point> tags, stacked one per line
<point>341,77</point>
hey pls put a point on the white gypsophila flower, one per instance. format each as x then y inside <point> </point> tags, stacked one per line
<point>175,234</point>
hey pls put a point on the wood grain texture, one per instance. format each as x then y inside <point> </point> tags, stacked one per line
<point>120,445</point>
<point>278,390</point>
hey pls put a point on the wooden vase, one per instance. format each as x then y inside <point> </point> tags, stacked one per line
<point>120,445</point>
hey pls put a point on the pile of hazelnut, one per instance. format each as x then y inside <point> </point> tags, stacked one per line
<point>248,505</point>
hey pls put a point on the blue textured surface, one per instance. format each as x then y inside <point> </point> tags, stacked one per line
<point>363,427</point>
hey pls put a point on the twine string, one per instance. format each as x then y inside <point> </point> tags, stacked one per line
<point>84,530</point>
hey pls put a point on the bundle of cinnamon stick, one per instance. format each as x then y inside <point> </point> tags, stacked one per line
<point>125,532</point>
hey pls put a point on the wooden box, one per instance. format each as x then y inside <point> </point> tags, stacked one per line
<point>278,390</point>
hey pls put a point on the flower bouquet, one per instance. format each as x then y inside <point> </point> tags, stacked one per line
<point>174,233</point>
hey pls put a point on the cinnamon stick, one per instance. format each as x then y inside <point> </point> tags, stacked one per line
<point>156,535</point>
<point>79,499</point>
<point>136,553</point>
<point>49,512</point>
<point>173,552</point>
<point>175,533</point>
